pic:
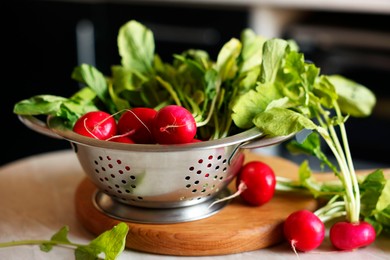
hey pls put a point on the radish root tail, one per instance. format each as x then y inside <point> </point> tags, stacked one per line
<point>293,242</point>
<point>241,187</point>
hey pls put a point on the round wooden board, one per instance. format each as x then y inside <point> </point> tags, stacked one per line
<point>235,228</point>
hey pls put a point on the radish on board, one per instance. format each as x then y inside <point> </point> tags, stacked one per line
<point>347,236</point>
<point>96,124</point>
<point>174,124</point>
<point>255,183</point>
<point>137,123</point>
<point>304,230</point>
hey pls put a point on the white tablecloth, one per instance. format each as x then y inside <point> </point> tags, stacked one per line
<point>37,199</point>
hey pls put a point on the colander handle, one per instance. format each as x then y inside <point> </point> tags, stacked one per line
<point>38,126</point>
<point>259,141</point>
<point>265,141</point>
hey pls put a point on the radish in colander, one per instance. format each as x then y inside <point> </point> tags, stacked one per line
<point>137,123</point>
<point>96,124</point>
<point>174,124</point>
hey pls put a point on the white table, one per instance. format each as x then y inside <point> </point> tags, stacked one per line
<point>37,199</point>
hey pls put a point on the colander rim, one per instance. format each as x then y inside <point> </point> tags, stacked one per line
<point>60,129</point>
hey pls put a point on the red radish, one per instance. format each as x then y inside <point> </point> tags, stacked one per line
<point>255,182</point>
<point>259,182</point>
<point>137,122</point>
<point>174,124</point>
<point>347,236</point>
<point>96,124</point>
<point>304,230</point>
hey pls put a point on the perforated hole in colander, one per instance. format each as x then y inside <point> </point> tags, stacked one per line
<point>115,177</point>
<point>205,175</point>
<point>125,180</point>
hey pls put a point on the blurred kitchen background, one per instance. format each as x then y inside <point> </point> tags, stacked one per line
<point>45,40</point>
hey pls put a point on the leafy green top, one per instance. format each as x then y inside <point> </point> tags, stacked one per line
<point>252,80</point>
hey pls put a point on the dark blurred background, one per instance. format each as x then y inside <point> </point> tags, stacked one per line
<point>45,40</point>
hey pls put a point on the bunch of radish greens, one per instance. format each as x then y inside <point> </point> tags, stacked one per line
<point>254,82</point>
<point>291,96</point>
<point>193,80</point>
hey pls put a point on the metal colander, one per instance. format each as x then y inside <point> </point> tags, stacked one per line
<point>158,183</point>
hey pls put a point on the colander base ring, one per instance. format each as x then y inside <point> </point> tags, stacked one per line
<point>124,212</point>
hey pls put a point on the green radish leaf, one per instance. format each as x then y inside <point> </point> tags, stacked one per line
<point>375,200</point>
<point>311,145</point>
<point>88,253</point>
<point>383,218</point>
<point>111,242</point>
<point>273,55</point>
<point>253,103</point>
<point>226,64</point>
<point>280,121</point>
<point>60,237</point>
<point>376,193</point>
<point>252,50</point>
<point>306,179</point>
<point>325,92</point>
<point>354,99</point>
<point>69,109</point>
<point>40,104</point>
<point>136,47</point>
<point>384,199</point>
<point>127,79</point>
<point>95,80</point>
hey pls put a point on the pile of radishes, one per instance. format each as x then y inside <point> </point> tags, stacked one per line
<point>304,230</point>
<point>171,124</point>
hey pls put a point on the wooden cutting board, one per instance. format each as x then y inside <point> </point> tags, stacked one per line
<point>236,228</point>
